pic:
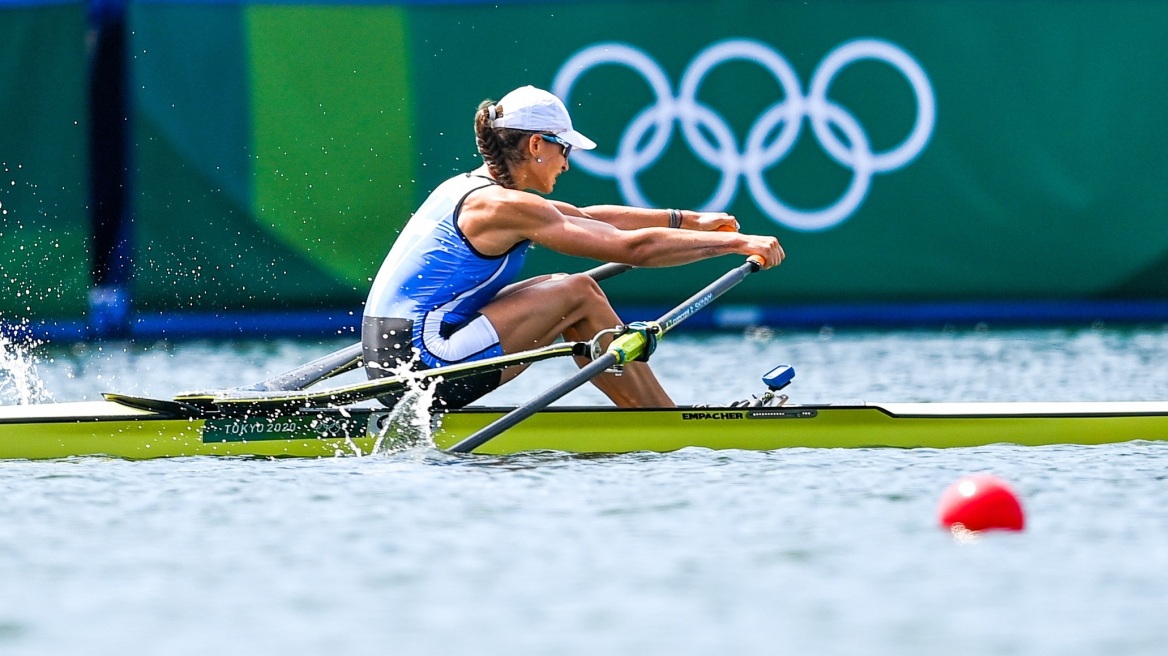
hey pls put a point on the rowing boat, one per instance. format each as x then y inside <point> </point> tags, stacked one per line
<point>123,428</point>
<point>282,417</point>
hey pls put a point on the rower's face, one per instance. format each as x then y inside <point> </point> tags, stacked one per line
<point>550,161</point>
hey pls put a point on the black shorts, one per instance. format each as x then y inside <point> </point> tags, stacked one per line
<point>387,342</point>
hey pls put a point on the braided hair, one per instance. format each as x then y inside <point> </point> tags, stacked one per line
<point>500,147</point>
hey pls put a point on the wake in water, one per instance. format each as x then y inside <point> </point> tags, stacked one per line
<point>19,383</point>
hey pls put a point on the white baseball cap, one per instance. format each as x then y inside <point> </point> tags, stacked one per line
<point>536,110</point>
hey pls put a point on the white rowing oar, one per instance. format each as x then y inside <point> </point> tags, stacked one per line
<point>624,349</point>
<point>350,357</point>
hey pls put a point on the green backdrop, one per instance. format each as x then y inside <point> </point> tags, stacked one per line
<point>278,148</point>
<point>44,228</point>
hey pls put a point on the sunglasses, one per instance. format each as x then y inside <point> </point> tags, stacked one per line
<point>560,142</point>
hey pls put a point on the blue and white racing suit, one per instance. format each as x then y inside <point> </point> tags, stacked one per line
<point>425,301</point>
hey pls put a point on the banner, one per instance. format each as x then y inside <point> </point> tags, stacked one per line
<point>44,228</point>
<point>902,150</point>
<point>907,151</point>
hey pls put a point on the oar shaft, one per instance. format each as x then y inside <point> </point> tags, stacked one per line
<point>349,358</point>
<point>327,366</point>
<point>249,400</point>
<point>703,298</point>
<point>606,271</point>
<point>624,348</point>
<point>551,395</point>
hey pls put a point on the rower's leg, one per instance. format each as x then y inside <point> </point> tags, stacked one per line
<point>572,306</point>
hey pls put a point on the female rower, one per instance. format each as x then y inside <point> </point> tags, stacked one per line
<point>445,293</point>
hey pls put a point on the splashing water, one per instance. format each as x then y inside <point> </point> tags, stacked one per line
<point>409,423</point>
<point>19,383</point>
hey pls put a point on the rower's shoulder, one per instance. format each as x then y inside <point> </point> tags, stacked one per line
<point>497,199</point>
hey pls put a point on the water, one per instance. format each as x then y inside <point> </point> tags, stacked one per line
<point>19,382</point>
<point>789,552</point>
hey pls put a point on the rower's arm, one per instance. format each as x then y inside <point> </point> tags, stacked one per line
<point>586,236</point>
<point>495,219</point>
<point>624,217</point>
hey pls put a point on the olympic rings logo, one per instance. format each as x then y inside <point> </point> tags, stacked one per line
<point>635,154</point>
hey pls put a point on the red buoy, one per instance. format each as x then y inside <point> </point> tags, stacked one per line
<point>981,502</point>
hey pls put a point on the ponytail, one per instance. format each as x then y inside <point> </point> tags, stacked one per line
<point>499,147</point>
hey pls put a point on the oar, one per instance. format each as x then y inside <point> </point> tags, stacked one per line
<point>622,350</point>
<point>606,271</point>
<point>326,366</point>
<point>350,357</point>
<point>245,401</point>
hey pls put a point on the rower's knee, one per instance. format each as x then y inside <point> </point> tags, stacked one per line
<point>581,286</point>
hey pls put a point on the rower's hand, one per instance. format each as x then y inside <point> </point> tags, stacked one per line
<point>710,221</point>
<point>766,247</point>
